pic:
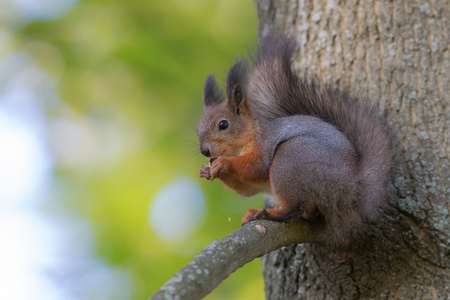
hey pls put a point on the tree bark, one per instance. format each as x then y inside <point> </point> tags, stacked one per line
<point>395,53</point>
<point>221,258</point>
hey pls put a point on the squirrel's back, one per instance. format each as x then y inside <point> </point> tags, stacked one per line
<point>276,91</point>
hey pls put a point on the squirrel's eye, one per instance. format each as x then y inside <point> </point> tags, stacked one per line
<point>223,124</point>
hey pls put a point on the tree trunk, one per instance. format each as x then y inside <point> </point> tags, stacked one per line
<point>395,53</point>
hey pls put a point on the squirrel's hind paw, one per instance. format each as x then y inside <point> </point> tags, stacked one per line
<point>252,215</point>
<point>278,215</point>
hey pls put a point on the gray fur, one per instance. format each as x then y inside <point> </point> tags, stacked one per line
<point>339,161</point>
<point>312,165</point>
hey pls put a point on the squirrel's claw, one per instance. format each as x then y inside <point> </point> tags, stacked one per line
<point>205,172</point>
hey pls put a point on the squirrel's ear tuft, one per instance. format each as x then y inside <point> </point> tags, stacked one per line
<point>212,94</point>
<point>238,93</point>
<point>237,82</point>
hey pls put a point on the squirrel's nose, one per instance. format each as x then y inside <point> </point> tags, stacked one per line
<point>205,152</point>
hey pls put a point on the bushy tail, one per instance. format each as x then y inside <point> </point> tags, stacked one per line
<point>276,91</point>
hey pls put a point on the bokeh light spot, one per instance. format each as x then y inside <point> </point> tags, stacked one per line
<point>43,9</point>
<point>177,209</point>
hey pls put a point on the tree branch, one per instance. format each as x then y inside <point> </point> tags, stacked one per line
<point>221,258</point>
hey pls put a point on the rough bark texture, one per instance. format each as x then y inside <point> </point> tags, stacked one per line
<point>395,53</point>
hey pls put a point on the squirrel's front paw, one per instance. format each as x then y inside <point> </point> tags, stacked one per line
<point>218,167</point>
<point>204,172</point>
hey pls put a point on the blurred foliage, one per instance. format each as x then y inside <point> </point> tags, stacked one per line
<point>134,70</point>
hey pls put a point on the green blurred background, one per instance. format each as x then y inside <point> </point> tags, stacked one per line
<point>99,102</point>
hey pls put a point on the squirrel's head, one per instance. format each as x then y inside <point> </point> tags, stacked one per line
<point>226,126</point>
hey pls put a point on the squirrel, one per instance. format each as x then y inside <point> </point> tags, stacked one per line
<point>322,154</point>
